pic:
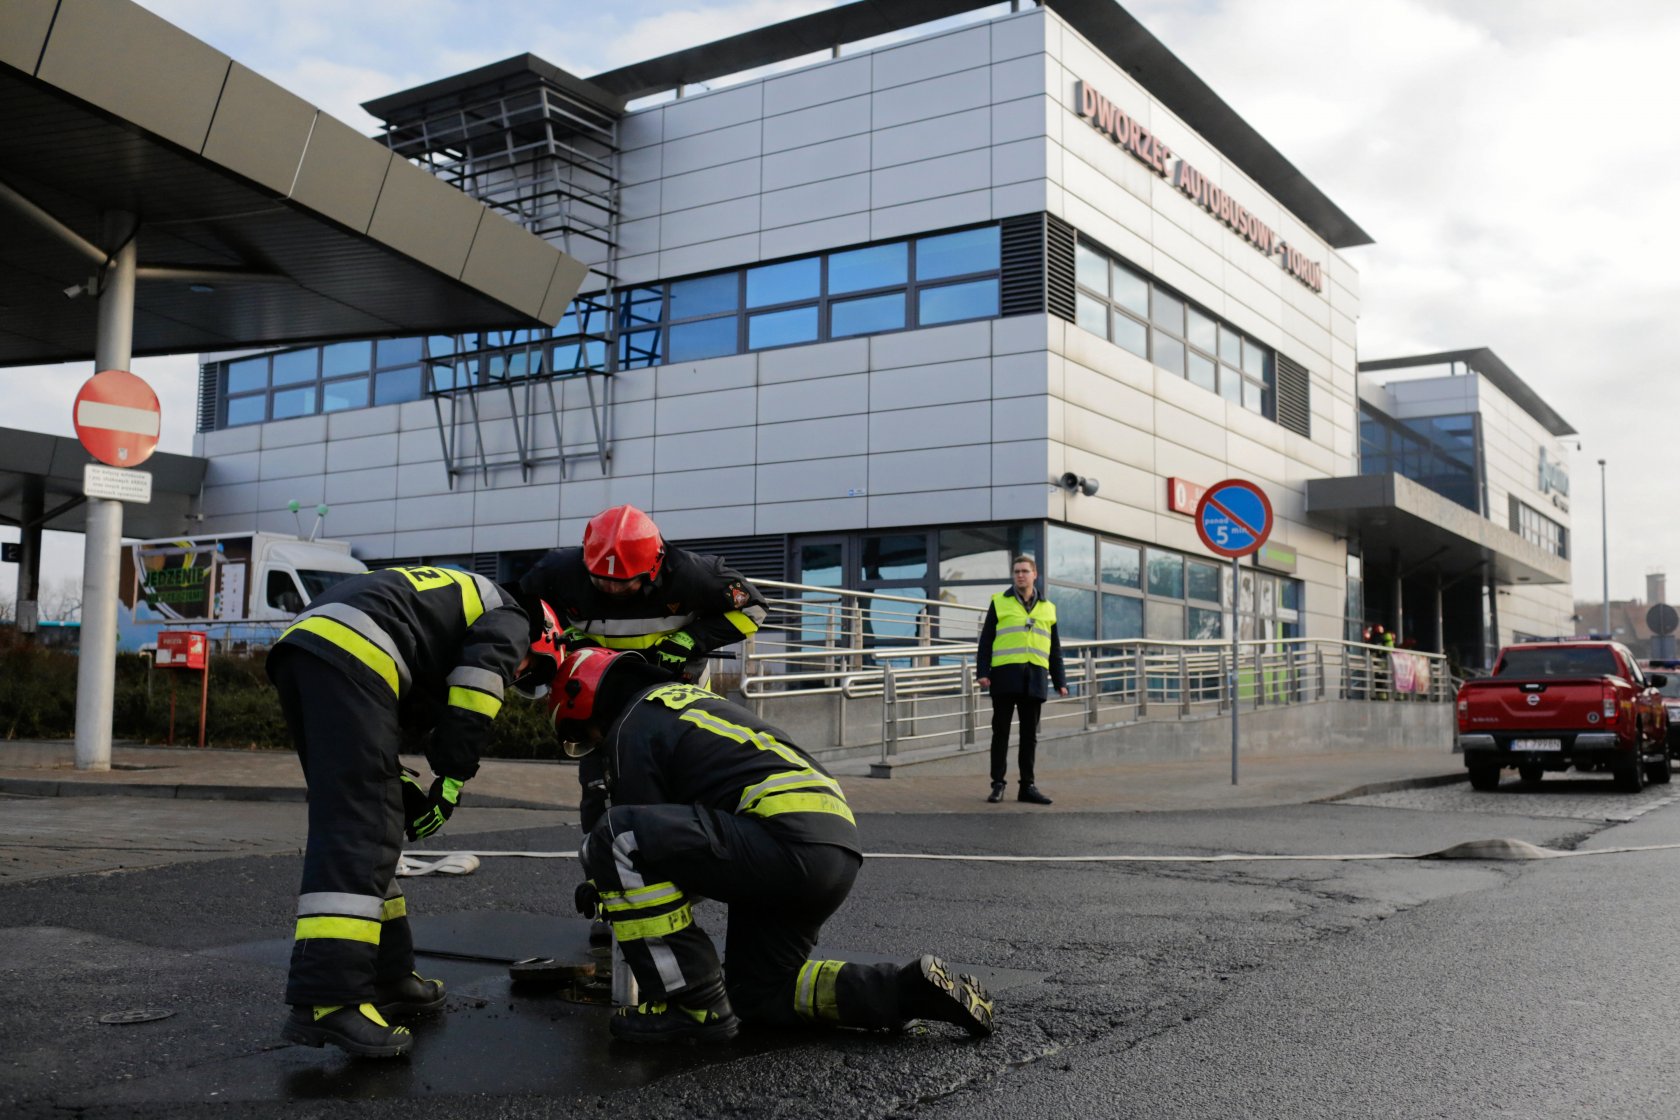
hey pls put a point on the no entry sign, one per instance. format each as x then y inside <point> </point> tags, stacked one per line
<point>117,418</point>
<point>1234,517</point>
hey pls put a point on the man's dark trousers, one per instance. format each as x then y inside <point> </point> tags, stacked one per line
<point>1003,711</point>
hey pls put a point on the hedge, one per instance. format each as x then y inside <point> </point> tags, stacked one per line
<point>38,701</point>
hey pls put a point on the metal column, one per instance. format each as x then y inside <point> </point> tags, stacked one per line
<point>29,554</point>
<point>96,669</point>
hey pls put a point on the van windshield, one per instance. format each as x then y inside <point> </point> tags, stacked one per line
<point>1556,661</point>
<point>316,581</point>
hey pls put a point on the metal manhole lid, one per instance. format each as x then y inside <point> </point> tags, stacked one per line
<point>138,1015</point>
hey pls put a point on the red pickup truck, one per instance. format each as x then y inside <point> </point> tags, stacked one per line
<point>1553,705</point>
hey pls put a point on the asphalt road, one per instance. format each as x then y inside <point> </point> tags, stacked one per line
<point>1257,989</point>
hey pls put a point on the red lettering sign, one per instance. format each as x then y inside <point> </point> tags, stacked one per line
<point>1183,496</point>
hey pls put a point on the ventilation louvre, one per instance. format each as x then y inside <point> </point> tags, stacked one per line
<point>1294,397</point>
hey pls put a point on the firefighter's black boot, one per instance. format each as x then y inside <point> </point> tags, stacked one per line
<point>700,1014</point>
<point>927,989</point>
<point>408,995</point>
<point>356,1029</point>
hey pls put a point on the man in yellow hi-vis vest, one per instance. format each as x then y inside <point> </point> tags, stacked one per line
<point>1019,660</point>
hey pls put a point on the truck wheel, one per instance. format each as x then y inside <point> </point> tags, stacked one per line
<point>1531,773</point>
<point>1484,775</point>
<point>1659,772</point>
<point>1630,775</point>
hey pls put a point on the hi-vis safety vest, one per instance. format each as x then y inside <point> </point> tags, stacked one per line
<point>1023,636</point>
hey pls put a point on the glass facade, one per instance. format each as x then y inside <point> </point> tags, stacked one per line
<point>1135,313</point>
<point>1536,528</point>
<point>1440,452</point>
<point>314,379</point>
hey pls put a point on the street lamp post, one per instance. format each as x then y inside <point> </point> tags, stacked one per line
<point>1604,524</point>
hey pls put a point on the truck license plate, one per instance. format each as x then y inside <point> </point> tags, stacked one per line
<point>1536,744</point>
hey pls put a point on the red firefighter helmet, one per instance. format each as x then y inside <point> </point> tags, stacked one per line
<point>546,654</point>
<point>621,544</point>
<point>572,699</point>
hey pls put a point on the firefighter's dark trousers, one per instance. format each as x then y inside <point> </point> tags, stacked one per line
<point>1003,711</point>
<point>352,924</point>
<point>652,862</point>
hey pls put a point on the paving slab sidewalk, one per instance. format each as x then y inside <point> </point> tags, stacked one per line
<point>47,769</point>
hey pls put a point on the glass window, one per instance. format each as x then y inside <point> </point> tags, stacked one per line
<point>1206,625</point>
<point>1203,581</point>
<point>1255,358</point>
<point>957,254</point>
<point>339,395</point>
<point>784,283</point>
<point>707,338</point>
<point>346,357</point>
<point>1203,332</point>
<point>1169,353</point>
<point>294,366</point>
<point>294,402</point>
<point>879,266</point>
<point>1163,621</point>
<point>1167,311</point>
<point>1119,564</point>
<point>1073,556</point>
<point>974,554</point>
<point>246,410</point>
<point>1166,574</point>
<point>975,300</point>
<point>1076,613</point>
<point>1230,384</point>
<point>869,315</point>
<point>894,556</point>
<point>243,376</point>
<point>1091,267</point>
<point>705,295</point>
<point>1289,594</point>
<point>641,306</point>
<point>1253,397</point>
<point>638,348</point>
<point>1131,291</point>
<point>1203,371</point>
<point>1092,314</point>
<point>395,385</point>
<point>1131,334</point>
<point>1230,346</point>
<point>781,328</point>
<point>1122,617</point>
<point>399,351</point>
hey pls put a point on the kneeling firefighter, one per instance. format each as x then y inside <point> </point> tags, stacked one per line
<point>687,795</point>
<point>404,651</point>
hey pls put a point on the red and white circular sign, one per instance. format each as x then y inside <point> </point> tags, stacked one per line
<point>117,418</point>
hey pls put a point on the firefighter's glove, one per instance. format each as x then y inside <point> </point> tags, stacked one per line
<point>587,899</point>
<point>573,638</point>
<point>439,804</point>
<point>675,651</point>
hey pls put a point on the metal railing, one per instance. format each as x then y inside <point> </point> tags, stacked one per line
<point>917,656</point>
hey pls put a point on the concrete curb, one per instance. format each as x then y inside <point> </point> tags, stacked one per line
<point>1426,782</point>
<point>45,787</point>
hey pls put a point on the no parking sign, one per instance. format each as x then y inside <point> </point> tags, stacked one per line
<point>1234,518</point>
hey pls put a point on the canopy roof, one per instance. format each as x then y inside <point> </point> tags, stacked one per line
<point>275,222</point>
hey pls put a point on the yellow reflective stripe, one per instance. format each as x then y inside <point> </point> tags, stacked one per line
<point>394,908</point>
<point>340,929</point>
<point>636,929</point>
<point>474,701</point>
<point>678,696</point>
<point>741,622</point>
<point>763,740</point>
<point>352,643</point>
<point>778,803</point>
<point>641,897</point>
<point>813,993</point>
<point>632,641</point>
<point>784,780</point>
<point>471,602</point>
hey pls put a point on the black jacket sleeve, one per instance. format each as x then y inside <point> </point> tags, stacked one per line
<point>491,650</point>
<point>988,635</point>
<point>1058,673</point>
<point>729,607</point>
<point>592,780</point>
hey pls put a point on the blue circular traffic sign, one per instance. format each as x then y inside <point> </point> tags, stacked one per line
<point>1234,517</point>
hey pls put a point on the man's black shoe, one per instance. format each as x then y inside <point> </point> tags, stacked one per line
<point>928,990</point>
<point>355,1029</point>
<point>996,794</point>
<point>408,995</point>
<point>1031,794</point>
<point>699,1015</point>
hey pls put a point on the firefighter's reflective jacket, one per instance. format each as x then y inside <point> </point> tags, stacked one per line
<point>695,592</point>
<point>445,642</point>
<point>680,744</point>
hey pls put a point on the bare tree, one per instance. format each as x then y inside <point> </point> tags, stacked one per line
<point>8,608</point>
<point>61,600</point>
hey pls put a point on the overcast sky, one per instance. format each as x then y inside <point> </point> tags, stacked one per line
<point>1515,161</point>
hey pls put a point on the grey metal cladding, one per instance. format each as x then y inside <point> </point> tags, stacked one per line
<point>425,218</point>
<point>509,264</point>
<point>259,130</point>
<point>342,173</point>
<point>112,54</point>
<point>569,273</point>
<point>23,31</point>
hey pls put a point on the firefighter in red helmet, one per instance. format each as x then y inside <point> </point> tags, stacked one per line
<point>688,795</point>
<point>626,589</point>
